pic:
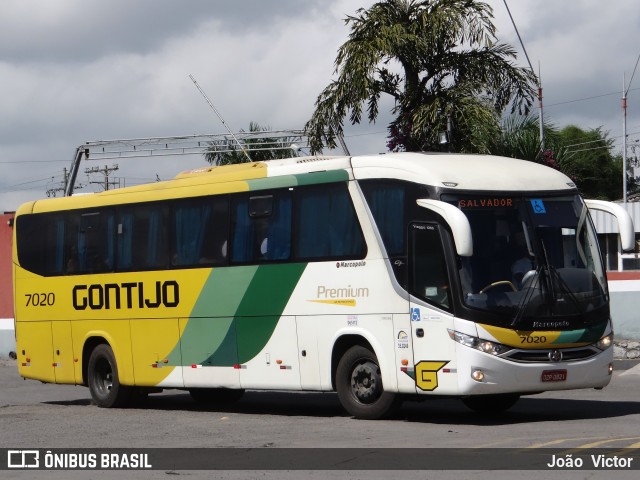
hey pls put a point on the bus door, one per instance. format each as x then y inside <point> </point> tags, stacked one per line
<point>430,309</point>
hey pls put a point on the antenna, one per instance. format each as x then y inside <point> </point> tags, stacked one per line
<point>244,150</point>
<point>541,120</point>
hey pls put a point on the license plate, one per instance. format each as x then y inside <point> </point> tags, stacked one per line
<point>554,375</point>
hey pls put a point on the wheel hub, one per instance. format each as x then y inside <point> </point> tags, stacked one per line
<point>365,382</point>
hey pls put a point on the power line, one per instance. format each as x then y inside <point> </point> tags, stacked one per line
<point>586,98</point>
<point>35,161</point>
<point>12,188</point>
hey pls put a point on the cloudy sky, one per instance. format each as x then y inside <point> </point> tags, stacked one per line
<point>73,71</point>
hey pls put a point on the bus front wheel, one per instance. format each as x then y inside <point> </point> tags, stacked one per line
<point>359,385</point>
<point>104,383</point>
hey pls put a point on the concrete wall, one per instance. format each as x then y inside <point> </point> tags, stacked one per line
<point>625,294</point>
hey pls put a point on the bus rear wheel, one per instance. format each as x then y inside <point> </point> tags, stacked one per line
<point>497,403</point>
<point>359,385</point>
<point>104,382</point>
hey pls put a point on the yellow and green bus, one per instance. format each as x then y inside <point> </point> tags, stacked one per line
<point>379,277</point>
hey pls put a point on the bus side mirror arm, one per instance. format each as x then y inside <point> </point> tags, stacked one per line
<point>625,223</point>
<point>457,221</point>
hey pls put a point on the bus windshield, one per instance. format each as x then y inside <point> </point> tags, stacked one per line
<point>535,261</point>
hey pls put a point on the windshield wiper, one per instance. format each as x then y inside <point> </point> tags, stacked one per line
<point>524,303</point>
<point>565,288</point>
<point>548,289</point>
<point>554,276</point>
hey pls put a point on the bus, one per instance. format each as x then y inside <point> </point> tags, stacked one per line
<point>379,277</point>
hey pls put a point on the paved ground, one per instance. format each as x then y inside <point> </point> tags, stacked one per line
<point>33,415</point>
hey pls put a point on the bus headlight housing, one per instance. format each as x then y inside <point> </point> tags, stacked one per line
<point>486,346</point>
<point>605,342</point>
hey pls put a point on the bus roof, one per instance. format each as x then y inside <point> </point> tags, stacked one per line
<point>458,171</point>
<point>463,171</point>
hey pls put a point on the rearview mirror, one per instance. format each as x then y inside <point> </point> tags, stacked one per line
<point>457,222</point>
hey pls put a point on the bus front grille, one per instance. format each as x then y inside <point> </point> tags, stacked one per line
<point>550,356</point>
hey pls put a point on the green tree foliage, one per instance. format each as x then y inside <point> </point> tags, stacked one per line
<point>257,147</point>
<point>440,62</point>
<point>520,138</point>
<point>586,156</point>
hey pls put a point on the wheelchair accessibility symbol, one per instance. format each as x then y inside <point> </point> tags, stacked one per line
<point>538,206</point>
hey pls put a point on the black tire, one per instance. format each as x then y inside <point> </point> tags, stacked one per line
<point>359,386</point>
<point>104,383</point>
<point>219,396</point>
<point>497,403</point>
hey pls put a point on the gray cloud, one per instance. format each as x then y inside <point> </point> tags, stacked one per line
<point>76,31</point>
<point>80,70</point>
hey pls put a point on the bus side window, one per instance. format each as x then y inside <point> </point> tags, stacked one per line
<point>327,225</point>
<point>387,201</point>
<point>190,220</point>
<point>143,237</point>
<point>213,250</point>
<point>95,242</point>
<point>261,228</point>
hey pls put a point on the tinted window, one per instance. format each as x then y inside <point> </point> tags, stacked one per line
<point>387,204</point>
<point>143,240</point>
<point>243,228</point>
<point>428,268</point>
<point>327,225</point>
<point>261,228</point>
<point>90,241</point>
<point>200,231</point>
<point>40,243</point>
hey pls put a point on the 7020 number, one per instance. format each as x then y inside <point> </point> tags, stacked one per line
<point>533,339</point>
<point>40,299</point>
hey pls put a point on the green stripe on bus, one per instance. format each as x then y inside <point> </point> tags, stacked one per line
<point>585,335</point>
<point>269,292</point>
<point>208,338</point>
<point>247,303</point>
<point>284,181</point>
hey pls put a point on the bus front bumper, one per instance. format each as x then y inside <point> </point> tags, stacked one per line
<point>480,373</point>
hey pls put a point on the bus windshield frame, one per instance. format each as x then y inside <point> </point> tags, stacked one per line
<point>536,261</point>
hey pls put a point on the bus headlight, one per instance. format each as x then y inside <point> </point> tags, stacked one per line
<point>605,342</point>
<point>485,346</point>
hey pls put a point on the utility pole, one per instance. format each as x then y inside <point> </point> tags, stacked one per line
<point>541,111</point>
<point>624,140</point>
<point>52,192</point>
<point>106,171</point>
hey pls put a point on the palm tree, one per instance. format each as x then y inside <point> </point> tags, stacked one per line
<point>441,64</point>
<point>257,145</point>
<point>520,138</point>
